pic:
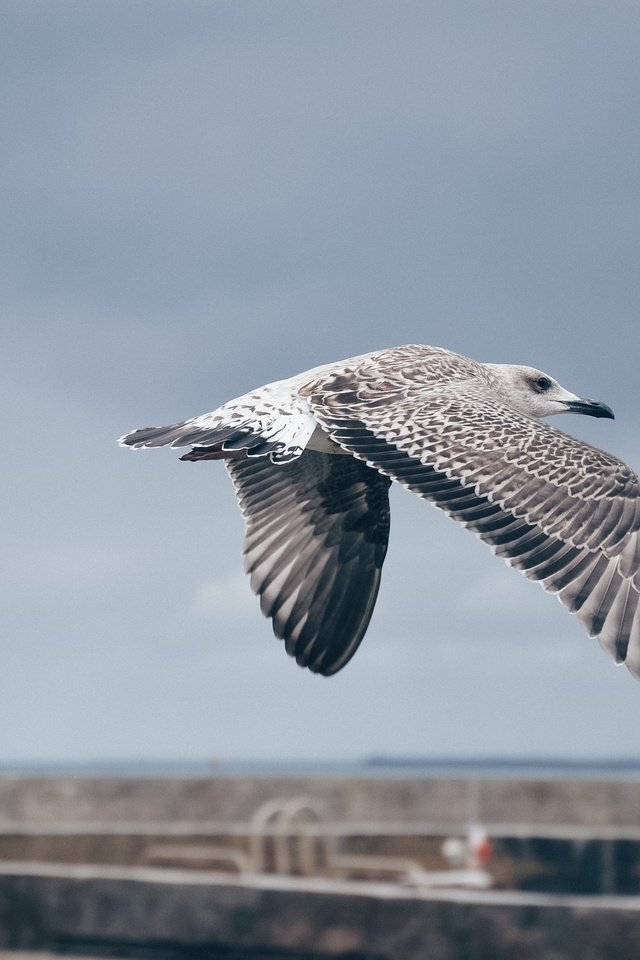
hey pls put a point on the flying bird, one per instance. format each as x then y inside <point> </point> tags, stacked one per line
<point>312,459</point>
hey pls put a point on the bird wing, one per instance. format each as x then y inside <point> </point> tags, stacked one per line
<point>563,512</point>
<point>316,536</point>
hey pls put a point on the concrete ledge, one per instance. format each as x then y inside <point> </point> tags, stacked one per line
<point>578,802</point>
<point>178,914</point>
<point>577,860</point>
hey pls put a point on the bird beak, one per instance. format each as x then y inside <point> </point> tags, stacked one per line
<point>591,408</point>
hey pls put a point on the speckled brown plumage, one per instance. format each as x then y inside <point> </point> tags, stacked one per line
<point>312,458</point>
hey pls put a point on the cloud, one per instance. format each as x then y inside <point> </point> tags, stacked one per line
<point>201,198</point>
<point>226,598</point>
<point>501,592</point>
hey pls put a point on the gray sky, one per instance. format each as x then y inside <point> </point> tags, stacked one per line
<point>202,197</point>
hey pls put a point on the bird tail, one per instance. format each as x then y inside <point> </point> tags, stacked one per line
<point>217,441</point>
<point>255,425</point>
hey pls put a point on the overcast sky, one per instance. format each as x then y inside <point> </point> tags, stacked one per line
<point>200,197</point>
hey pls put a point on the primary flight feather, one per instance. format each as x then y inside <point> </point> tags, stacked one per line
<point>312,459</point>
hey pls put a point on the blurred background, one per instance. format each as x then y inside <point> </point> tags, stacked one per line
<point>199,198</point>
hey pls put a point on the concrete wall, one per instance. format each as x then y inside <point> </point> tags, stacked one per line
<point>169,915</point>
<point>536,802</point>
<point>570,863</point>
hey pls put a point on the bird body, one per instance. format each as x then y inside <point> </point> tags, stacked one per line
<point>312,459</point>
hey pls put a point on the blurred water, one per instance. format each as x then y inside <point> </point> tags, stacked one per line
<point>553,768</point>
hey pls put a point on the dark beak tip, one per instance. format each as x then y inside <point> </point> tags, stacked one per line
<point>591,408</point>
<point>602,410</point>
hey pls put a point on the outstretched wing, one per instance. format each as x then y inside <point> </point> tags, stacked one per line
<point>316,536</point>
<point>563,512</point>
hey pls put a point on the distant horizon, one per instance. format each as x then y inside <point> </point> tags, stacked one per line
<point>374,765</point>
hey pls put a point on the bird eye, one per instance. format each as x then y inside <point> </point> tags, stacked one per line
<point>542,384</point>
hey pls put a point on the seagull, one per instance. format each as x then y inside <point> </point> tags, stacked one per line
<point>312,459</point>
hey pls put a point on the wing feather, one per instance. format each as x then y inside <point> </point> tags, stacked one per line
<point>316,536</point>
<point>563,512</point>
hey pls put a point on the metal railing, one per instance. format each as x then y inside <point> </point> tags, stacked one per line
<point>283,837</point>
